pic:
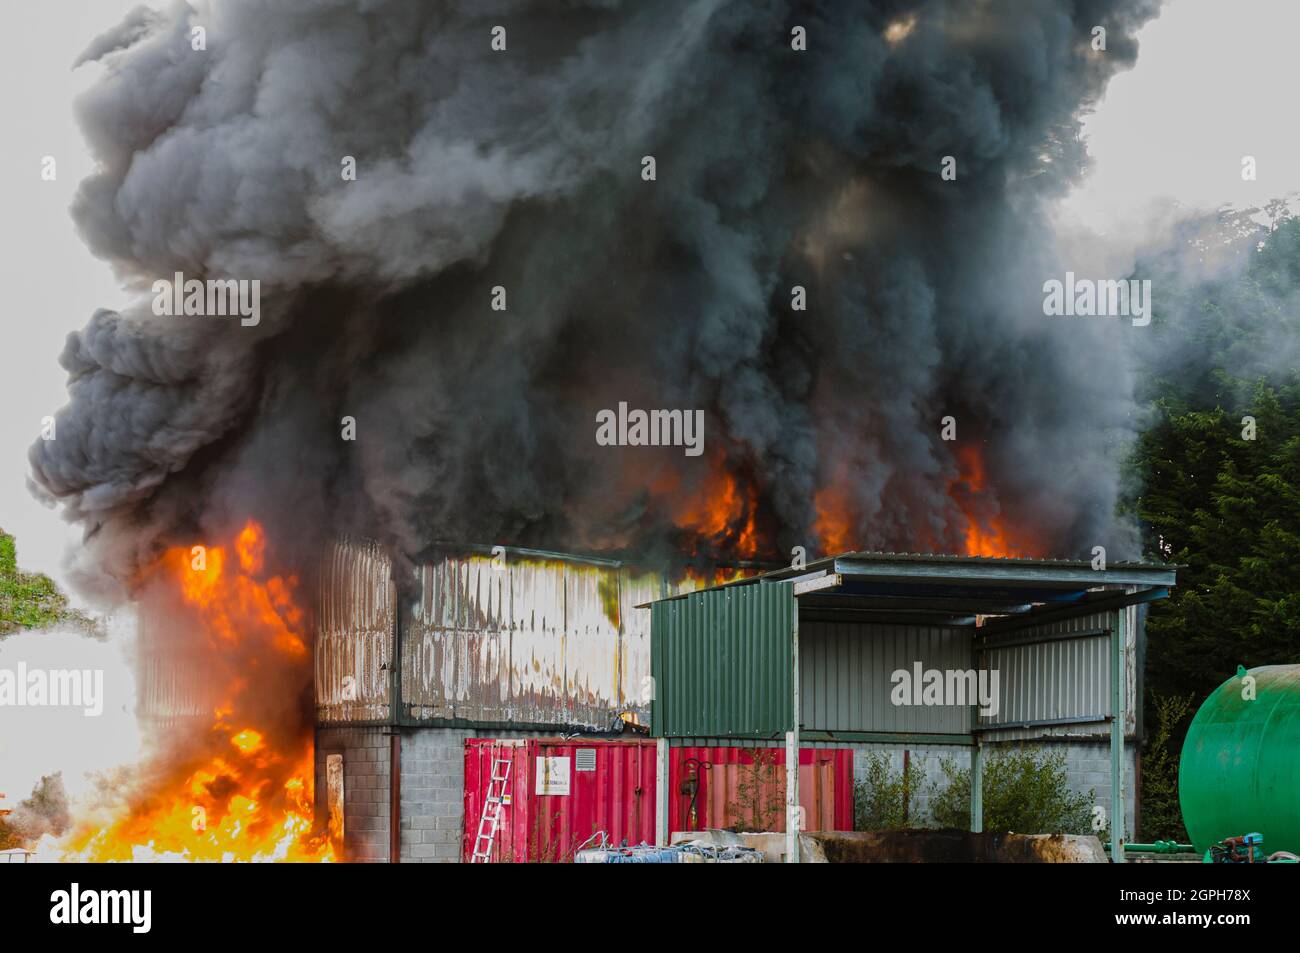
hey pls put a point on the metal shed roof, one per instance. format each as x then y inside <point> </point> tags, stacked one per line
<point>928,587</point>
<point>728,662</point>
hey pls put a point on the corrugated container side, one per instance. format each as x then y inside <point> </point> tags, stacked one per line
<point>537,641</point>
<point>592,643</point>
<point>846,676</point>
<point>354,635</point>
<point>456,639</point>
<point>616,796</point>
<point>733,790</point>
<point>634,687</point>
<point>721,663</point>
<point>1062,678</point>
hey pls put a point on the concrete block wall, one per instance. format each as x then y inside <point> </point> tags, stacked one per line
<point>1087,769</point>
<point>432,789</point>
<point>927,760</point>
<point>365,788</point>
<point>433,794</point>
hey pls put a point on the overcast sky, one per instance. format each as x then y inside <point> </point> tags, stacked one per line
<point>1214,81</point>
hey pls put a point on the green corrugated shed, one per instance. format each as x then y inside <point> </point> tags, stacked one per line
<point>721,663</point>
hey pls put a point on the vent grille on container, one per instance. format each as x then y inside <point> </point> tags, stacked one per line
<point>585,759</point>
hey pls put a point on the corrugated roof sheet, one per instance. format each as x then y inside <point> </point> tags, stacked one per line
<point>1029,564</point>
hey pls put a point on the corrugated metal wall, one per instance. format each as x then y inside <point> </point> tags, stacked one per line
<point>732,790</point>
<point>354,634</point>
<point>845,671</point>
<point>173,683</point>
<point>1061,678</point>
<point>612,791</point>
<point>527,640</point>
<point>537,641</point>
<point>634,685</point>
<point>722,663</point>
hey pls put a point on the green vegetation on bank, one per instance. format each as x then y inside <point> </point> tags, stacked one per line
<point>30,600</point>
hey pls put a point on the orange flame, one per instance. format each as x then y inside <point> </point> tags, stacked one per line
<point>239,790</point>
<point>834,524</point>
<point>983,530</point>
<point>722,516</point>
<point>986,530</point>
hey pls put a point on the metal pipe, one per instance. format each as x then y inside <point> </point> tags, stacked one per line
<point>1159,847</point>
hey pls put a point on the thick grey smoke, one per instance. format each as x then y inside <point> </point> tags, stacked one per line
<point>522,169</point>
<point>45,812</point>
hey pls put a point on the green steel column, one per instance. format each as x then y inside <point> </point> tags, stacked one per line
<point>792,748</point>
<point>1117,642</point>
<point>976,755</point>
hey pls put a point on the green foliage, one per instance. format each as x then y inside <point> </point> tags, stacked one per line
<point>757,805</point>
<point>29,600</point>
<point>1162,817</point>
<point>1223,346</point>
<point>1023,792</point>
<point>883,799</point>
<point>1229,510</point>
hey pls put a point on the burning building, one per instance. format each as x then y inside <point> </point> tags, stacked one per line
<point>464,261</point>
<point>532,644</point>
<point>484,645</point>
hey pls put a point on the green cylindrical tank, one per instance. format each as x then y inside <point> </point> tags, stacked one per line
<point>1240,770</point>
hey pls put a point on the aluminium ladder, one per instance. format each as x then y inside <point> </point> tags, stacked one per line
<point>490,820</point>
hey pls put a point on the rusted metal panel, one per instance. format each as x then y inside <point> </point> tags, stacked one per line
<point>526,639</point>
<point>354,637</point>
<point>592,644</point>
<point>521,638</point>
<point>634,680</point>
<point>456,642</point>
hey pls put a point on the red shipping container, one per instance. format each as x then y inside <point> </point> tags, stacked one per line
<point>732,791</point>
<point>562,792</point>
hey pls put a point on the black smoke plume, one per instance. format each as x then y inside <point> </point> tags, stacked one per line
<point>522,169</point>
